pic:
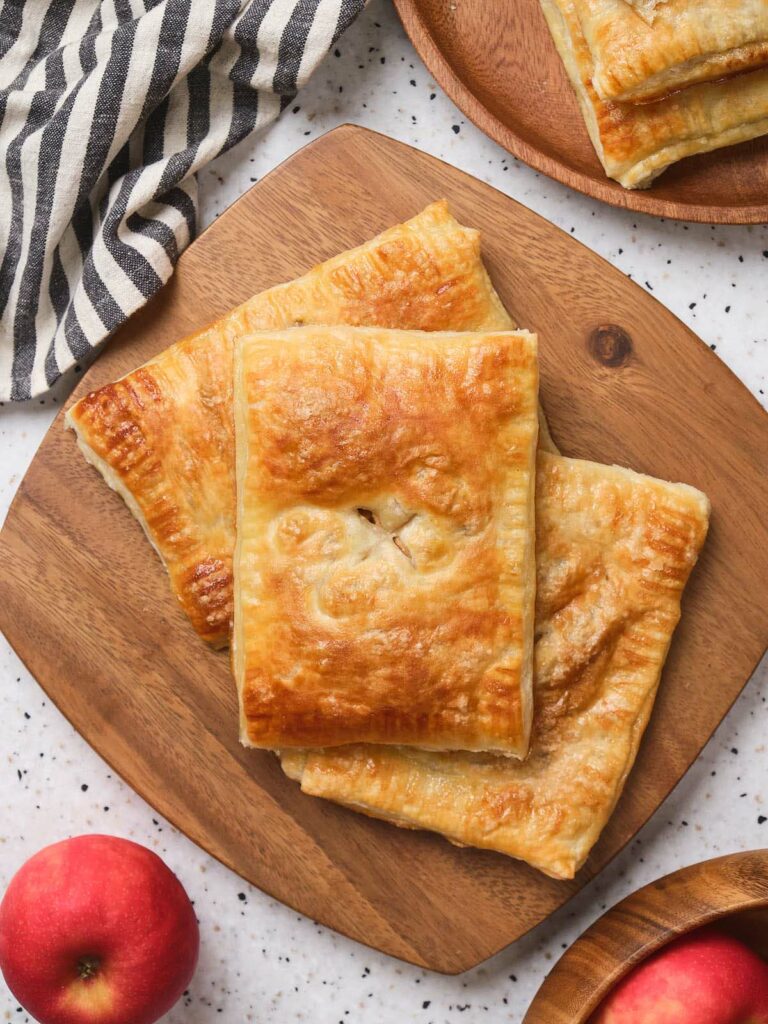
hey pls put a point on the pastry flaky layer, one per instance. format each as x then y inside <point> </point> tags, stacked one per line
<point>614,552</point>
<point>636,142</point>
<point>163,436</point>
<point>687,41</point>
<point>647,8</point>
<point>385,563</point>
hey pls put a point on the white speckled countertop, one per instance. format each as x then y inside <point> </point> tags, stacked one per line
<point>260,961</point>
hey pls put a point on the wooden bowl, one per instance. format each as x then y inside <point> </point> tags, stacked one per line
<point>732,891</point>
<point>497,62</point>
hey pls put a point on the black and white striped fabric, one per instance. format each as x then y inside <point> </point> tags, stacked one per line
<point>107,110</point>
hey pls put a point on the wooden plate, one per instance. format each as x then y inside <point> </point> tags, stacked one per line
<point>87,606</point>
<point>497,62</point>
<point>731,891</point>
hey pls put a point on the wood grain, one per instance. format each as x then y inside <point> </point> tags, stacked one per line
<point>87,606</point>
<point>731,890</point>
<point>497,62</point>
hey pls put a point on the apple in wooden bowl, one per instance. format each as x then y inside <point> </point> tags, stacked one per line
<point>705,977</point>
<point>690,948</point>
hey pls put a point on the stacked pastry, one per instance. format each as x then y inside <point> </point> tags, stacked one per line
<point>435,618</point>
<point>659,80</point>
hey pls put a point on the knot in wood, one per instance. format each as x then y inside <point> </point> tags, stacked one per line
<point>610,345</point>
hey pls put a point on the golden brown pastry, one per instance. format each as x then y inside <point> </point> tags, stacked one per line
<point>162,436</point>
<point>637,142</point>
<point>384,565</point>
<point>688,41</point>
<point>614,551</point>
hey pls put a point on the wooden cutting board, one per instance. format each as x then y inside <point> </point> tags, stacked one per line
<point>86,605</point>
<point>498,63</point>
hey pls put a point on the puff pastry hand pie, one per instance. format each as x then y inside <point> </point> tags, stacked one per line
<point>637,142</point>
<point>688,41</point>
<point>162,436</point>
<point>614,552</point>
<point>384,567</point>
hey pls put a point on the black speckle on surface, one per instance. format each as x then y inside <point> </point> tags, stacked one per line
<point>734,750</point>
<point>84,787</point>
<point>455,128</point>
<point>761,819</point>
<point>425,1004</point>
<point>241,896</point>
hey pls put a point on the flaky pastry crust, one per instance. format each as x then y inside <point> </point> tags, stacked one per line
<point>163,436</point>
<point>384,566</point>
<point>614,552</point>
<point>688,41</point>
<point>636,142</point>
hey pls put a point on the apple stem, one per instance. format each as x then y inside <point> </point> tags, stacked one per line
<point>88,967</point>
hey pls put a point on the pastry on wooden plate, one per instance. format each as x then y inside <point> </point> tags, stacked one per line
<point>614,552</point>
<point>636,142</point>
<point>384,566</point>
<point>162,436</point>
<point>687,41</point>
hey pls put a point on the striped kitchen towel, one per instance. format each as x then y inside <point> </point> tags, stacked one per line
<point>107,110</point>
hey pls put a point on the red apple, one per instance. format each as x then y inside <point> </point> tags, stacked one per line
<point>97,930</point>
<point>701,978</point>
